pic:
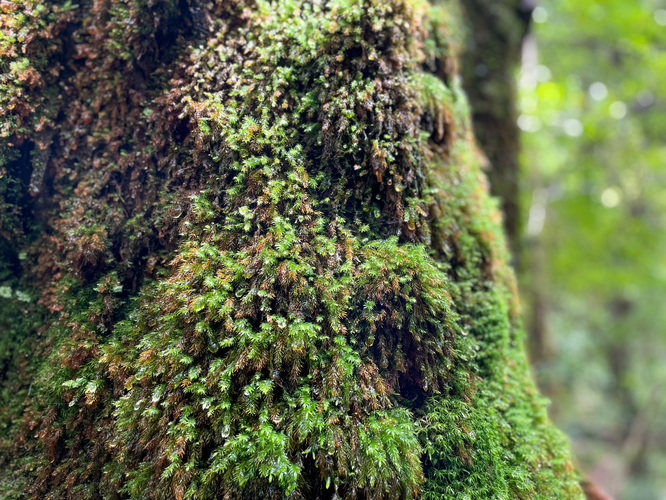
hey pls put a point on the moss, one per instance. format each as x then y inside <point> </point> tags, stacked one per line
<point>270,265</point>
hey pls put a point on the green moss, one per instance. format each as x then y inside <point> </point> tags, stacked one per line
<point>274,270</point>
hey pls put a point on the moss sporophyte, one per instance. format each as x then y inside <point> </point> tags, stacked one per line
<point>263,260</point>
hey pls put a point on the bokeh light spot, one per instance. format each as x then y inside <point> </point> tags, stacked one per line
<point>660,17</point>
<point>540,15</point>
<point>610,197</point>
<point>573,127</point>
<point>618,110</point>
<point>598,91</point>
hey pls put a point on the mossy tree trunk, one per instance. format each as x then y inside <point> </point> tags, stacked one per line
<point>247,252</point>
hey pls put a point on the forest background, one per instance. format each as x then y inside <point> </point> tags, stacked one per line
<point>592,240</point>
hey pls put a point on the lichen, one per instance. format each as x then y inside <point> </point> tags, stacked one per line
<point>267,264</point>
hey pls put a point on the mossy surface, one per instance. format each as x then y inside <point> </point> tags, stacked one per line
<point>255,257</point>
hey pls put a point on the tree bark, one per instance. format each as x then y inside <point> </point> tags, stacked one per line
<point>489,68</point>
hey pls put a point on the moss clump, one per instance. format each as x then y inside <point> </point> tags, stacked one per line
<point>271,266</point>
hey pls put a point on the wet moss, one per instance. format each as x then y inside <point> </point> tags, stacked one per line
<point>267,263</point>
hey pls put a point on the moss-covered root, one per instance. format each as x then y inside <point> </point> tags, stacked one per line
<point>259,259</point>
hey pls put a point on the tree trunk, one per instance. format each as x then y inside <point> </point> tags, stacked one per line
<point>489,67</point>
<point>247,251</point>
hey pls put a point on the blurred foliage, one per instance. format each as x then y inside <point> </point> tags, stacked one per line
<point>592,107</point>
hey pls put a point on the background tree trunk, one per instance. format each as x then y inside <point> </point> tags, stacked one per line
<point>489,68</point>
